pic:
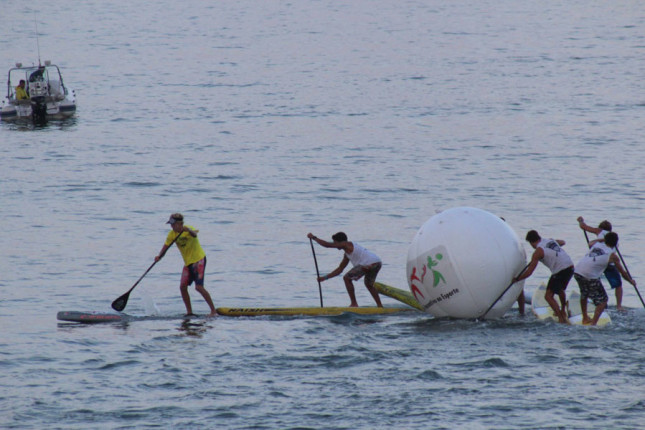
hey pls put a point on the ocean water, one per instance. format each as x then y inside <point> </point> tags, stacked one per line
<point>263,121</point>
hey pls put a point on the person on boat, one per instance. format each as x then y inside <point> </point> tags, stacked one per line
<point>38,75</point>
<point>194,259</point>
<point>589,270</point>
<point>21,92</point>
<point>365,263</point>
<point>551,254</point>
<point>611,273</point>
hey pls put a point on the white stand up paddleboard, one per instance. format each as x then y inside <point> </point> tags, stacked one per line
<point>543,311</point>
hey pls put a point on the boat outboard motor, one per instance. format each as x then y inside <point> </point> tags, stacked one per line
<point>38,91</point>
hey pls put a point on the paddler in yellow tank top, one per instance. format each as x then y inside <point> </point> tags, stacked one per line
<point>194,260</point>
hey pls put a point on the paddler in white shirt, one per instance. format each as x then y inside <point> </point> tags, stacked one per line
<point>589,270</point>
<point>551,254</point>
<point>611,273</point>
<point>365,263</point>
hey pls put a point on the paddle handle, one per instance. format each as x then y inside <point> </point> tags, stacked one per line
<point>313,251</point>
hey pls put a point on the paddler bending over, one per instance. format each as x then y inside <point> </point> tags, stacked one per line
<point>365,263</point>
<point>588,272</point>
<point>194,259</point>
<point>611,273</point>
<point>550,253</point>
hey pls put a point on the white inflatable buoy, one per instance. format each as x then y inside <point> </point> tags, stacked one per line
<point>461,260</point>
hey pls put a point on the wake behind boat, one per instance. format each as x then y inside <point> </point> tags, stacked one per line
<point>45,95</point>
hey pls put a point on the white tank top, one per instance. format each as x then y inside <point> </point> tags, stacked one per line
<point>361,256</point>
<point>594,262</point>
<point>555,258</point>
<point>601,235</point>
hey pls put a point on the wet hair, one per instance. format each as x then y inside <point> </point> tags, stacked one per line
<point>532,236</point>
<point>611,239</point>
<point>339,237</point>
<point>605,225</point>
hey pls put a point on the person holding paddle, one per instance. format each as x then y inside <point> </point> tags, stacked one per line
<point>551,254</point>
<point>194,258</point>
<point>365,263</point>
<point>588,272</point>
<point>611,273</point>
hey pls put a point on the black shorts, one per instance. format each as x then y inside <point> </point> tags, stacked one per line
<point>558,281</point>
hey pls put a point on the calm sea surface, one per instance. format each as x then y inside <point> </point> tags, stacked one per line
<point>262,121</point>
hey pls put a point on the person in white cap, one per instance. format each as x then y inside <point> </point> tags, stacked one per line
<point>194,259</point>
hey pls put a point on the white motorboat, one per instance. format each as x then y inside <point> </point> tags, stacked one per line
<point>45,96</point>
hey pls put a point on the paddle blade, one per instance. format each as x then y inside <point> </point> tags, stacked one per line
<point>120,303</point>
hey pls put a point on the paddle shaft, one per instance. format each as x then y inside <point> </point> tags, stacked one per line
<point>630,275</point>
<point>142,276</point>
<point>502,295</point>
<point>120,303</point>
<point>313,251</point>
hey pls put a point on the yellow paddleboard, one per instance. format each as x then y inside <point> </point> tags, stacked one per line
<point>239,312</point>
<point>398,294</point>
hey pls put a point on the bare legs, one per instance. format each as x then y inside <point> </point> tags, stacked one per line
<point>186,298</point>
<point>559,311</point>
<point>521,301</point>
<point>619,298</point>
<point>599,310</point>
<point>349,285</point>
<point>374,294</point>
<point>583,307</point>
<point>207,297</point>
<point>350,290</point>
<point>596,315</point>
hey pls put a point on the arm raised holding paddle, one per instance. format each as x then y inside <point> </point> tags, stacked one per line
<point>611,272</point>
<point>365,262</point>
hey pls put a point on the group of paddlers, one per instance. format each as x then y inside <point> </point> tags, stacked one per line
<point>602,257</point>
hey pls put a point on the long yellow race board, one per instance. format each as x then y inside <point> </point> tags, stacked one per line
<point>398,294</point>
<point>395,293</point>
<point>99,317</point>
<point>543,311</point>
<point>239,312</point>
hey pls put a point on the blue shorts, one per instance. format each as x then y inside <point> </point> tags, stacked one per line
<point>613,276</point>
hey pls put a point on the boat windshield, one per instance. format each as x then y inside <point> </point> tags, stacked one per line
<point>50,74</point>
